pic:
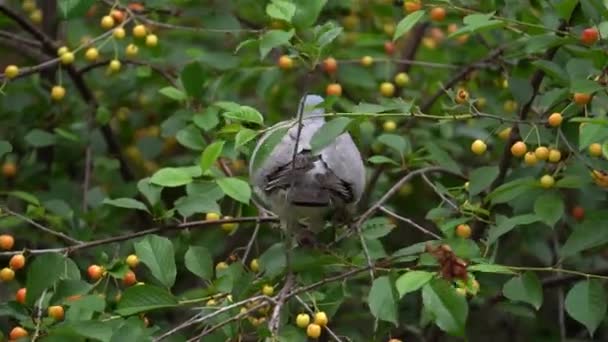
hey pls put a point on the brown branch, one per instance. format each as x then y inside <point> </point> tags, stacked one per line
<point>412,45</point>
<point>133,235</point>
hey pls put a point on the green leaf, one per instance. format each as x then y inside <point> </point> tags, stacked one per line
<point>525,288</point>
<point>448,309</point>
<point>505,225</point>
<point>586,303</point>
<point>244,136</point>
<point>157,253</point>
<point>480,22</point>
<point>281,9</point>
<point>407,23</point>
<point>171,177</point>
<point>272,261</point>
<point>396,142</point>
<point>45,271</point>
<point>274,38</point>
<point>193,80</point>
<point>5,147</point>
<point>441,157</point>
<point>236,188</point>
<point>191,138</point>
<point>196,203</point>
<point>584,86</point>
<point>553,70</point>
<point>198,261</point>
<point>40,138</point>
<point>246,114</point>
<point>77,330</point>
<point>207,120</point>
<point>382,300</point>
<point>173,93</point>
<point>412,281</point>
<point>511,190</point>
<point>329,36</point>
<point>307,12</point>
<point>380,159</point>
<point>328,133</point>
<point>490,268</point>
<point>376,227</point>
<point>150,191</point>
<point>591,133</point>
<point>549,207</point>
<point>26,196</point>
<point>124,202</point>
<point>143,298</point>
<point>481,178</point>
<point>69,9</point>
<point>588,234</point>
<point>103,115</point>
<point>210,155</point>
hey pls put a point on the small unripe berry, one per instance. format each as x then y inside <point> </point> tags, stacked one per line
<point>330,65</point>
<point>212,216</point>
<point>542,153</point>
<point>519,149</point>
<point>333,89</point>
<point>56,312</point>
<point>389,126</point>
<point>20,295</point>
<point>505,133</point>
<point>114,65</point>
<point>554,155</point>
<point>11,71</point>
<point>119,33</point>
<point>268,290</point>
<point>321,318</point>
<point>107,22</point>
<point>17,262</point>
<point>151,40</point>
<point>228,227</point>
<point>479,147</point>
<point>302,320</point>
<point>367,61</point>
<point>402,79</point>
<point>91,54</point>
<point>6,274</point>
<point>132,261</point>
<point>129,278</point>
<point>530,158</point>
<point>285,62</point>
<point>131,50</point>
<point>57,93</point>
<point>139,31</point>
<point>547,181</point>
<point>254,265</point>
<point>6,242</point>
<point>387,89</point>
<point>95,272</point>
<point>462,96</point>
<point>17,333</point>
<point>595,150</point>
<point>313,331</point>
<point>555,119</point>
<point>221,266</point>
<point>67,58</point>
<point>463,231</point>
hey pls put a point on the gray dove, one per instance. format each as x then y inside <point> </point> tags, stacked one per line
<point>328,183</point>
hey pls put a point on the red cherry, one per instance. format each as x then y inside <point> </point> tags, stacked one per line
<point>589,35</point>
<point>389,48</point>
<point>578,213</point>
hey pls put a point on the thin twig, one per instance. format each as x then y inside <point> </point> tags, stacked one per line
<point>439,193</point>
<point>47,230</point>
<point>39,316</point>
<point>133,235</point>
<point>410,222</point>
<point>253,236</point>
<point>275,318</point>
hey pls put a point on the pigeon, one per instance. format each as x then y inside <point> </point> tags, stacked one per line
<point>311,187</point>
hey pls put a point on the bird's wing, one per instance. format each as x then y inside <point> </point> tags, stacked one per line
<point>344,160</point>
